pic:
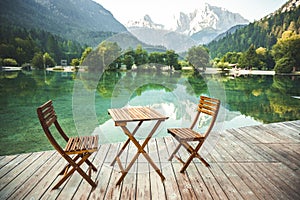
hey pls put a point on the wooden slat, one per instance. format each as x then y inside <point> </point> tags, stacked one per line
<point>237,182</point>
<point>32,182</point>
<point>171,186</point>
<point>245,164</point>
<point>15,179</point>
<point>134,114</point>
<point>157,152</point>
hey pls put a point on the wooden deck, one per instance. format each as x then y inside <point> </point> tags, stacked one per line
<point>255,162</point>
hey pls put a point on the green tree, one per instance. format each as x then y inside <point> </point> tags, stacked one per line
<point>128,61</point>
<point>109,53</point>
<point>85,54</point>
<point>10,62</point>
<point>53,48</point>
<point>287,48</point>
<point>157,57</point>
<point>231,57</point>
<point>172,59</point>
<point>284,65</point>
<point>198,56</point>
<point>75,62</point>
<point>48,60</point>
<point>38,61</point>
<point>249,58</point>
<point>141,56</point>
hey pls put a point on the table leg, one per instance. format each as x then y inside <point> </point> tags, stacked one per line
<point>126,143</point>
<point>140,150</point>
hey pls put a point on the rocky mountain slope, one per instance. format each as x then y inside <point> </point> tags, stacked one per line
<point>81,20</point>
<point>197,27</point>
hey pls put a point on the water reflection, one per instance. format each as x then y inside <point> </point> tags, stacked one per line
<point>249,100</point>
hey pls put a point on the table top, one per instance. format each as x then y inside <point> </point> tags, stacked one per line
<point>135,114</point>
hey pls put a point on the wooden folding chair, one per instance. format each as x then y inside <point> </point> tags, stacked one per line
<point>208,106</point>
<point>76,147</point>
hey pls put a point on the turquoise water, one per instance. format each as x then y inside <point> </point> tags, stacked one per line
<point>81,102</point>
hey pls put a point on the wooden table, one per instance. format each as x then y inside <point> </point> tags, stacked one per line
<point>121,117</point>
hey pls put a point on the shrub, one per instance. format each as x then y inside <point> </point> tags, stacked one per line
<point>9,62</point>
<point>284,65</point>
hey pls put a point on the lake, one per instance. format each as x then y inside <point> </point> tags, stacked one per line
<point>81,102</point>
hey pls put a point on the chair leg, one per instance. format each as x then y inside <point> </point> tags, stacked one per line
<point>174,152</point>
<point>90,164</point>
<point>189,160</point>
<point>76,166</point>
<point>193,153</point>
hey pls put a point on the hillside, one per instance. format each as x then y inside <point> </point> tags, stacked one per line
<point>80,20</point>
<point>262,33</point>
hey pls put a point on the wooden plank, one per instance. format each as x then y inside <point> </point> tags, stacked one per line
<point>6,160</point>
<point>76,180</point>
<point>171,187</point>
<point>268,174</point>
<point>213,186</point>
<point>238,182</point>
<point>231,148</point>
<point>219,154</point>
<point>184,185</point>
<point>107,177</point>
<point>12,163</point>
<point>143,190</point>
<point>284,134</point>
<point>266,170</point>
<point>287,129</point>
<point>250,181</point>
<point>228,188</point>
<point>287,178</point>
<point>44,187</point>
<point>246,139</point>
<point>291,124</point>
<point>267,185</point>
<point>239,151</point>
<point>244,133</point>
<point>258,133</point>
<point>129,184</point>
<point>294,148</point>
<point>85,190</point>
<point>284,155</point>
<point>197,183</point>
<point>158,154</point>
<point>252,154</point>
<point>113,191</point>
<point>18,168</point>
<point>42,167</point>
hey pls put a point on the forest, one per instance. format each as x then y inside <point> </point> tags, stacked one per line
<point>19,46</point>
<point>272,43</point>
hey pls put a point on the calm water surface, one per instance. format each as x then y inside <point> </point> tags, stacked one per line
<point>82,105</point>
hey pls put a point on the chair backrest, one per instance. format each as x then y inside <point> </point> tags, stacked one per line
<point>209,106</point>
<point>47,117</point>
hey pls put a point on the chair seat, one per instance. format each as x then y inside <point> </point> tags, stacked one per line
<point>185,134</point>
<point>82,144</point>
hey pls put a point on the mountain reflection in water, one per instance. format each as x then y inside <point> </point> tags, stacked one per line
<point>246,100</point>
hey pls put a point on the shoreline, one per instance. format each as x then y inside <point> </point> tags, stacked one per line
<point>233,72</point>
<point>239,72</point>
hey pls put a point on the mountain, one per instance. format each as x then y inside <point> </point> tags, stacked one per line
<point>209,17</point>
<point>80,20</point>
<point>146,22</point>
<point>187,29</point>
<point>229,31</point>
<point>261,33</point>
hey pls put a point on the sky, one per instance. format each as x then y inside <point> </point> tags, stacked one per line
<point>162,11</point>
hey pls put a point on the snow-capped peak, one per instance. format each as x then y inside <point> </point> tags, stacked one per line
<point>146,22</point>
